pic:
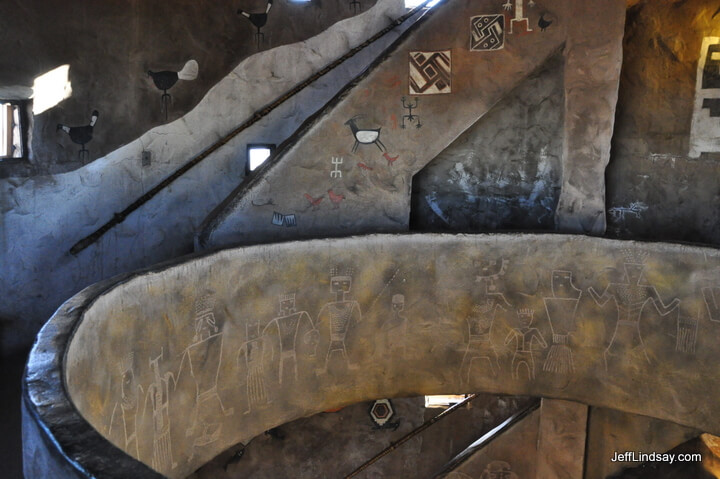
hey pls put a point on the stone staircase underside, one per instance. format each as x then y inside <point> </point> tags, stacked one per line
<point>330,185</point>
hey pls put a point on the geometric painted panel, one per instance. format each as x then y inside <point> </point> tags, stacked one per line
<point>488,32</point>
<point>430,72</point>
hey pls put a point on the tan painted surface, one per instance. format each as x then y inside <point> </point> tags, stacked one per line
<point>177,365</point>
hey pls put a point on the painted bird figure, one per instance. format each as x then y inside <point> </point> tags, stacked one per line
<point>81,135</point>
<point>335,198</point>
<point>543,23</point>
<point>257,19</point>
<point>314,202</point>
<point>364,136</point>
<point>165,80</point>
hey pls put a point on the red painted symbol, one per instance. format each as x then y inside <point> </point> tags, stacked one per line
<point>335,198</point>
<point>314,202</point>
<point>364,166</point>
<point>389,158</point>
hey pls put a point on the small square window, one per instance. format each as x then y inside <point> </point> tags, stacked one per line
<point>12,129</point>
<point>257,154</point>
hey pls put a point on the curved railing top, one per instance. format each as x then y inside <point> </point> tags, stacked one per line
<point>176,364</point>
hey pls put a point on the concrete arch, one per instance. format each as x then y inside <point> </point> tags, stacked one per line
<point>176,364</point>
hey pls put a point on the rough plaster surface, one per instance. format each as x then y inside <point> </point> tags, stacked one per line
<point>512,454</point>
<point>611,431</point>
<point>109,47</point>
<point>503,172</point>
<point>592,73</point>
<point>561,439</point>
<point>333,445</point>
<point>373,193</point>
<point>43,216</point>
<point>654,189</point>
<point>631,328</point>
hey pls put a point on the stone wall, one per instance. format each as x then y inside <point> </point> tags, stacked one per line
<point>109,47</point>
<point>655,188</point>
<point>43,216</point>
<point>283,331</point>
<point>504,172</point>
<point>370,192</point>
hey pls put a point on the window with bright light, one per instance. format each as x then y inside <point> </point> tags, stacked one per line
<point>11,130</point>
<point>444,401</point>
<point>257,154</point>
<point>415,3</point>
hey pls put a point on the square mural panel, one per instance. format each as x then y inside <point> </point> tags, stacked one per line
<point>430,72</point>
<point>488,32</point>
<point>705,129</point>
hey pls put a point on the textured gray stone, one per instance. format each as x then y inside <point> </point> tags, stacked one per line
<point>43,216</point>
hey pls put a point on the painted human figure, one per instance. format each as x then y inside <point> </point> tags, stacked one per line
<point>396,328</point>
<point>286,328</point>
<point>252,354</point>
<point>339,314</point>
<point>525,337</point>
<point>204,358</point>
<point>561,309</point>
<point>519,17</point>
<point>480,322</point>
<point>630,297</point>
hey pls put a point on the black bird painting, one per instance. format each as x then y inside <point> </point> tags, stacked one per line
<point>81,135</point>
<point>257,19</point>
<point>165,80</point>
<point>543,23</point>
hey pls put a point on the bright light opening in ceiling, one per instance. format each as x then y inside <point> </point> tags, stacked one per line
<point>257,154</point>
<point>444,401</point>
<point>51,88</point>
<point>415,3</point>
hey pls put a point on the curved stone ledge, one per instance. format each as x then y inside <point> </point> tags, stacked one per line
<point>176,364</point>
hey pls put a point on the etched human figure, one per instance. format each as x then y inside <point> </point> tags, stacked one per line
<point>525,337</point>
<point>204,358</point>
<point>130,393</point>
<point>159,396</point>
<point>339,314</point>
<point>480,321</point>
<point>561,309</point>
<point>711,304</point>
<point>395,328</point>
<point>287,327</point>
<point>252,354</point>
<point>630,297</point>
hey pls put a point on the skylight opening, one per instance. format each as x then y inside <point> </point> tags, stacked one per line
<point>444,401</point>
<point>415,3</point>
<point>257,155</point>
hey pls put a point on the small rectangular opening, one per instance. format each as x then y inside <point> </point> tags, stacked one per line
<point>11,130</point>
<point>444,400</point>
<point>257,154</point>
<point>414,3</point>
